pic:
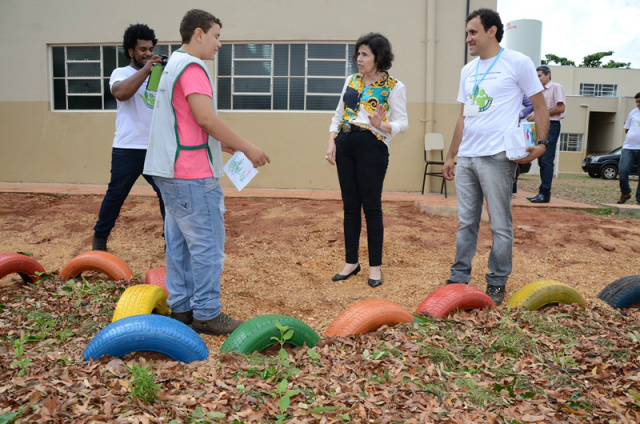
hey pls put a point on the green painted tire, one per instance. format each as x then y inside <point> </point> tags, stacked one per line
<point>255,334</point>
<point>535,295</point>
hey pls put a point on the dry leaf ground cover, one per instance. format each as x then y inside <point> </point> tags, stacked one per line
<point>562,364</point>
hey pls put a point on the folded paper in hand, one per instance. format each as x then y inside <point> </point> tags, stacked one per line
<point>518,139</point>
<point>240,170</point>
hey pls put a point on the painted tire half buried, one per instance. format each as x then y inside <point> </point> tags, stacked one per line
<point>23,265</point>
<point>96,260</point>
<point>255,334</point>
<point>157,277</point>
<point>141,299</point>
<point>366,316</point>
<point>448,299</point>
<point>623,293</point>
<point>154,333</point>
<point>535,295</point>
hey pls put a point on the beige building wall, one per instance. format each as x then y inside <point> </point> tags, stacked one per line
<point>41,145</point>
<point>600,120</point>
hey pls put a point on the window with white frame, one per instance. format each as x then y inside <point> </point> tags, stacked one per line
<point>598,90</point>
<point>570,142</point>
<point>278,76</point>
<point>80,75</point>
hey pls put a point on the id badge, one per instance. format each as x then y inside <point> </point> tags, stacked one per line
<point>471,110</point>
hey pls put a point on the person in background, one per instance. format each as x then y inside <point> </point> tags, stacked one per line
<point>527,108</point>
<point>490,108</point>
<point>133,119</point>
<point>185,158</point>
<point>630,153</point>
<point>554,96</point>
<point>372,110</point>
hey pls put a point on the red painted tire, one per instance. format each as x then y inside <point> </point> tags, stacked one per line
<point>453,297</point>
<point>366,316</point>
<point>22,265</point>
<point>96,260</point>
<point>157,277</point>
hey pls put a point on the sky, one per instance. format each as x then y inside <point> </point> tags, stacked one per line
<point>576,28</point>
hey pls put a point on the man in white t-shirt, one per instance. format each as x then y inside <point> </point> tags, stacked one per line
<point>491,91</point>
<point>133,120</point>
<point>630,153</point>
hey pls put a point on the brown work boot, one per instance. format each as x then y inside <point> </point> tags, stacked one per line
<point>183,317</point>
<point>221,325</point>
<point>623,198</point>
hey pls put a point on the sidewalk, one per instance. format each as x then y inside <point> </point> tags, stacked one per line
<point>433,203</point>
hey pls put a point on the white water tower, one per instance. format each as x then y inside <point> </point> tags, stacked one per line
<point>524,36</point>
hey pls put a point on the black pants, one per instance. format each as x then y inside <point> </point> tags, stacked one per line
<point>362,162</point>
<point>126,167</point>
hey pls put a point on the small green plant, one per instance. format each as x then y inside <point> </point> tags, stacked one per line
<point>9,417</point>
<point>23,363</point>
<point>286,333</point>
<point>64,334</point>
<point>284,400</point>
<point>636,397</point>
<point>64,360</point>
<point>143,385</point>
<point>201,417</point>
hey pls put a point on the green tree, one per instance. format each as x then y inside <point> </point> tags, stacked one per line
<point>595,61</point>
<point>557,59</point>
<point>613,64</point>
<point>590,61</point>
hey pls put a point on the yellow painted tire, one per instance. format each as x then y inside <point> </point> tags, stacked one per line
<point>139,300</point>
<point>535,295</point>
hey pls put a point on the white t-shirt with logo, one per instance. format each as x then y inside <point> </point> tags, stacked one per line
<point>133,118</point>
<point>632,142</point>
<point>499,99</point>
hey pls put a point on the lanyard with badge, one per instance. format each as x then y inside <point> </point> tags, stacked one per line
<point>473,109</point>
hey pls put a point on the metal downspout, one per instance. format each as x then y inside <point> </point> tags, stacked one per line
<point>431,65</point>
<point>430,77</point>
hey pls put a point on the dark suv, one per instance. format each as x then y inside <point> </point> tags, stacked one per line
<point>605,166</point>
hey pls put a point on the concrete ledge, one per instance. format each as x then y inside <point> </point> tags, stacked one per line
<point>626,209</point>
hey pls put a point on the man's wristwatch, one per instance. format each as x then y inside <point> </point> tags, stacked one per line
<point>545,142</point>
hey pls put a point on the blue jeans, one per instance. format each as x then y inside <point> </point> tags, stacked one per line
<point>362,162</point>
<point>194,235</point>
<point>126,167</point>
<point>479,178</point>
<point>546,161</point>
<point>627,159</point>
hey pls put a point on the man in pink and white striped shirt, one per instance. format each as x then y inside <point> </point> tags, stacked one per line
<point>554,96</point>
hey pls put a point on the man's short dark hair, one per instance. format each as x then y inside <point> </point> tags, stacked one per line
<point>133,34</point>
<point>380,47</point>
<point>637,96</point>
<point>196,18</point>
<point>488,18</point>
<point>544,69</point>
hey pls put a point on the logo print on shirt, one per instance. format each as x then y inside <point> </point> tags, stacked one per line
<point>481,99</point>
<point>148,99</point>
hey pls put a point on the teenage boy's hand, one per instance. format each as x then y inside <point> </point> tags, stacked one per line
<point>257,156</point>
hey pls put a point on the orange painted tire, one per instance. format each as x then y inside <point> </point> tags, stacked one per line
<point>366,316</point>
<point>96,260</point>
<point>454,297</point>
<point>22,265</point>
<point>157,277</point>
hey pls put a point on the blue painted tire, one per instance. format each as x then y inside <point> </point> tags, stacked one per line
<point>155,333</point>
<point>623,293</point>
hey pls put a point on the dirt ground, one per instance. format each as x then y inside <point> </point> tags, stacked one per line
<point>281,253</point>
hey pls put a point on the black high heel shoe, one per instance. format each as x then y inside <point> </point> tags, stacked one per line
<point>375,283</point>
<point>340,277</point>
